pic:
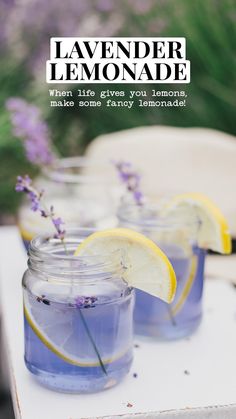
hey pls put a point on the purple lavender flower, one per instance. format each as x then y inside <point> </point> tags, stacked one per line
<point>6,7</point>
<point>24,184</point>
<point>141,7</point>
<point>79,302</point>
<point>57,222</point>
<point>35,201</point>
<point>138,196</point>
<point>35,21</point>
<point>85,302</point>
<point>29,126</point>
<point>131,179</point>
<point>105,5</point>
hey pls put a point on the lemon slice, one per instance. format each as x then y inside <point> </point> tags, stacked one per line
<point>147,267</point>
<point>213,231</point>
<point>60,329</point>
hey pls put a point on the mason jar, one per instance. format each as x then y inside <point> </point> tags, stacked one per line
<point>80,192</point>
<point>177,237</point>
<point>78,316</point>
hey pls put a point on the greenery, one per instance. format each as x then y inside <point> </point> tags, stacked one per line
<point>12,155</point>
<point>210,30</point>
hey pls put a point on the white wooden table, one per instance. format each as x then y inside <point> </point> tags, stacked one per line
<point>193,378</point>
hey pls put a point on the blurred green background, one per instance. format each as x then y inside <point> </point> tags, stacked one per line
<point>25,28</point>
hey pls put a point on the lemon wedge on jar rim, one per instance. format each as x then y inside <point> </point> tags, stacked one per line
<point>213,231</point>
<point>146,266</point>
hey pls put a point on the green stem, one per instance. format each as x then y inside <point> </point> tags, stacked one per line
<point>81,314</point>
<point>172,319</point>
<point>92,341</point>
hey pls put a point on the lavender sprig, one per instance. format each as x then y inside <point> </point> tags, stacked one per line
<point>24,184</point>
<point>131,179</point>
<point>29,126</point>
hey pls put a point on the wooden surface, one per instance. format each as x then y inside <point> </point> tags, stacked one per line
<point>193,378</point>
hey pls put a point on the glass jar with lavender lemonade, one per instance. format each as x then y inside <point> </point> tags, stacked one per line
<point>176,236</point>
<point>81,192</point>
<point>78,316</point>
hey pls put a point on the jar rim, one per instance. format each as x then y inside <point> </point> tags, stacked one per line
<point>47,255</point>
<point>150,216</point>
<point>67,170</point>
